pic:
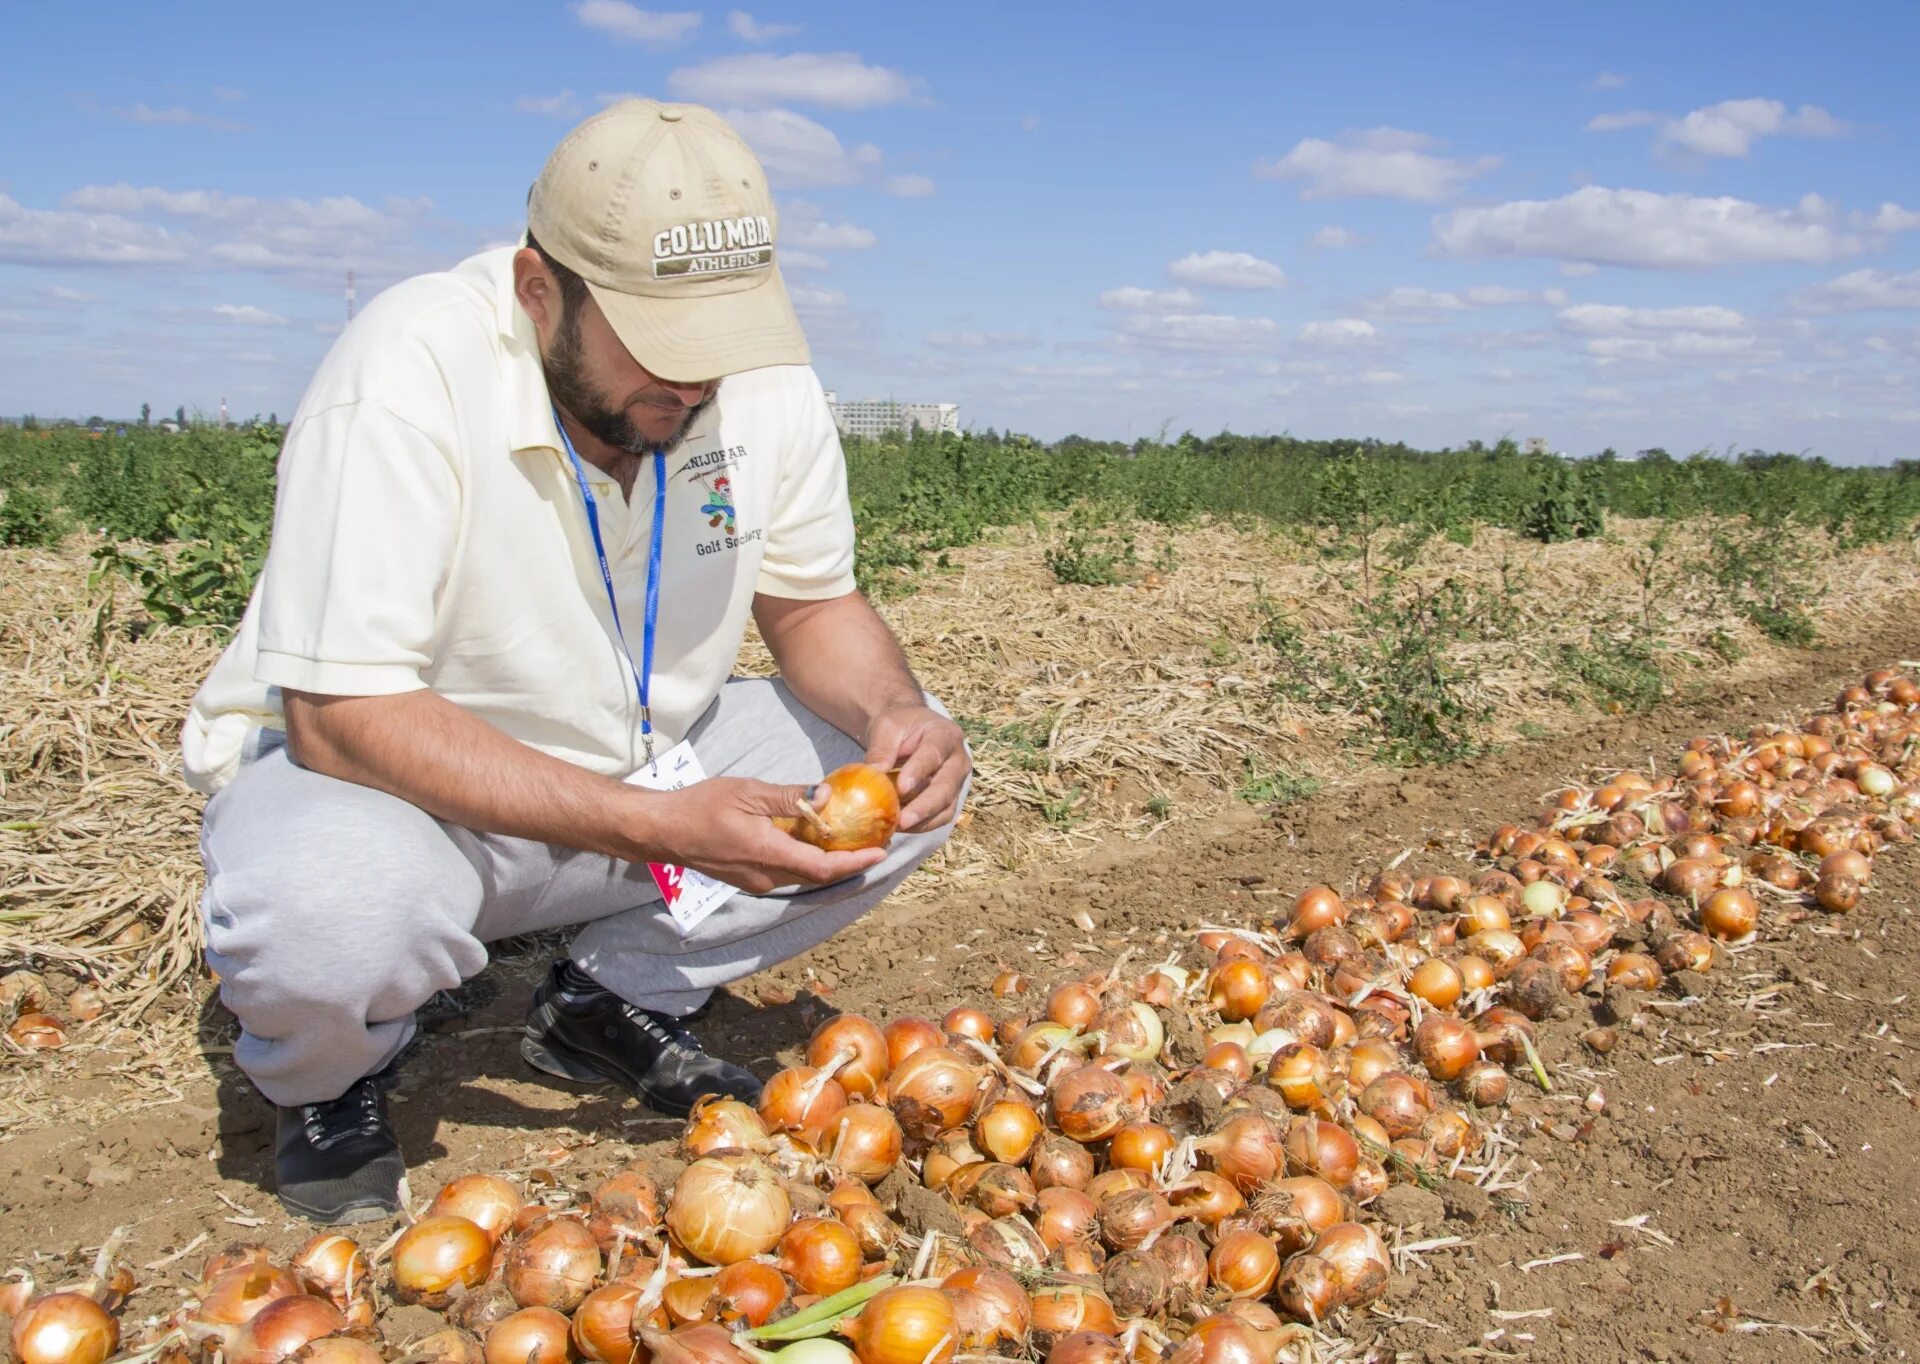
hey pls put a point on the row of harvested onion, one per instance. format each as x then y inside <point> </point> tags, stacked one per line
<point>1047,1175</point>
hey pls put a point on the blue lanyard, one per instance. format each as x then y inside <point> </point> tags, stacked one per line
<point>642,675</point>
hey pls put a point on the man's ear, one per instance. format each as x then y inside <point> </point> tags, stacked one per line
<point>537,291</point>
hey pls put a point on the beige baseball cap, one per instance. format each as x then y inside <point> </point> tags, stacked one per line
<point>665,212</point>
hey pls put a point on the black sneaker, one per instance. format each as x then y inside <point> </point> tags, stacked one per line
<point>339,1162</point>
<point>578,1030</point>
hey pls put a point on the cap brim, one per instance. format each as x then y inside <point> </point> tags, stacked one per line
<point>693,340</point>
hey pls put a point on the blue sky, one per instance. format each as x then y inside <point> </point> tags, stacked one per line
<point>1691,226</point>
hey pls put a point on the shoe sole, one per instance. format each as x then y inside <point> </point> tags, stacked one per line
<point>360,1212</point>
<point>544,1058</point>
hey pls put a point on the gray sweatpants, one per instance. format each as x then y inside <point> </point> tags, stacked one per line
<point>333,910</point>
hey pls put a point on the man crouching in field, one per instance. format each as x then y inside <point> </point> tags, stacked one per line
<point>524,511</point>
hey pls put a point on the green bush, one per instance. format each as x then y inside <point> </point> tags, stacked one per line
<point>31,517</point>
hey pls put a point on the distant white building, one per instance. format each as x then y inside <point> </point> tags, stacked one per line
<point>883,416</point>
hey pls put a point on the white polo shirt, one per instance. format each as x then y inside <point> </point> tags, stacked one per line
<point>428,532</point>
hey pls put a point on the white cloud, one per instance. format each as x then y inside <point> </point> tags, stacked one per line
<point>813,298</point>
<point>803,225</point>
<point>1340,331</point>
<point>1578,269</point>
<point>1388,163</point>
<point>1030,123</point>
<point>1197,332</point>
<point>1366,378</point>
<point>750,30</point>
<point>228,94</point>
<point>1889,218</point>
<point>562,105</point>
<point>631,24</point>
<point>1227,270</point>
<point>30,236</point>
<point>246,315</point>
<point>1135,300</point>
<point>1612,319</point>
<point>835,80</point>
<point>976,340</point>
<point>298,236</point>
<point>1650,335</point>
<point>799,153</point>
<point>1607,80</point>
<point>1411,303</point>
<point>1641,228</point>
<point>1335,238</point>
<point>1864,291</point>
<point>1730,127</point>
<point>1626,118</point>
<point>909,186</point>
<point>175,116</point>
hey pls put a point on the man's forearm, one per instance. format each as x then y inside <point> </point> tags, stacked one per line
<point>447,761</point>
<point>838,657</point>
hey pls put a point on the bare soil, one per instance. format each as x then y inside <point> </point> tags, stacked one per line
<point>1748,1190</point>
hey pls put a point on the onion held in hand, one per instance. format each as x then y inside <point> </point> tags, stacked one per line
<point>862,809</point>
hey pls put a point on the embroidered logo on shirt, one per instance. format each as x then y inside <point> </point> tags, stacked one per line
<point>719,504</point>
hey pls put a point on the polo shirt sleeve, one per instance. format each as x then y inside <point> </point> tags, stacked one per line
<point>809,553</point>
<point>364,531</point>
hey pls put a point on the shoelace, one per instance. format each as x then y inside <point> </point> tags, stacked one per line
<point>664,1030</point>
<point>354,1114</point>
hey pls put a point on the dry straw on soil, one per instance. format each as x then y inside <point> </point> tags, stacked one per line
<point>1085,702</point>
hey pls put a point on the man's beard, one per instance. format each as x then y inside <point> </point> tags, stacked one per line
<point>568,385</point>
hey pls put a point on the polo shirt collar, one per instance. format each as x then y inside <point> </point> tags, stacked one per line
<point>530,424</point>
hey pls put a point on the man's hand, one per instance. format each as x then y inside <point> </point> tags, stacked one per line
<point>724,827</point>
<point>930,752</point>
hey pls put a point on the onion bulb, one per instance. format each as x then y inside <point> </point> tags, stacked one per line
<point>1007,1129</point>
<point>863,1140</point>
<point>533,1335</point>
<point>1322,1149</point>
<point>989,1306</point>
<point>907,1035</point>
<point>1139,1146</point>
<point>1729,914</point>
<point>932,1090</point>
<point>65,1328</point>
<point>861,810</point>
<point>1130,1219</point>
<point>1059,1163</point>
<point>1243,1264</point>
<point>1238,989</point>
<point>907,1324</point>
<point>625,1206</point>
<point>1060,1309</point>
<point>284,1326</point>
<point>490,1203</point>
<point>553,1265</point>
<point>821,1256</point>
<point>853,1050</point>
<point>1088,1103</point>
<point>801,1100</point>
<point>1445,1045</point>
<point>603,1323</point>
<point>723,1125</point>
<point>1347,1266</point>
<point>728,1208</point>
<point>748,1294</point>
<point>333,1267</point>
<point>236,1294</point>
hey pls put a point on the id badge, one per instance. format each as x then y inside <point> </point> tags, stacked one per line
<point>689,896</point>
